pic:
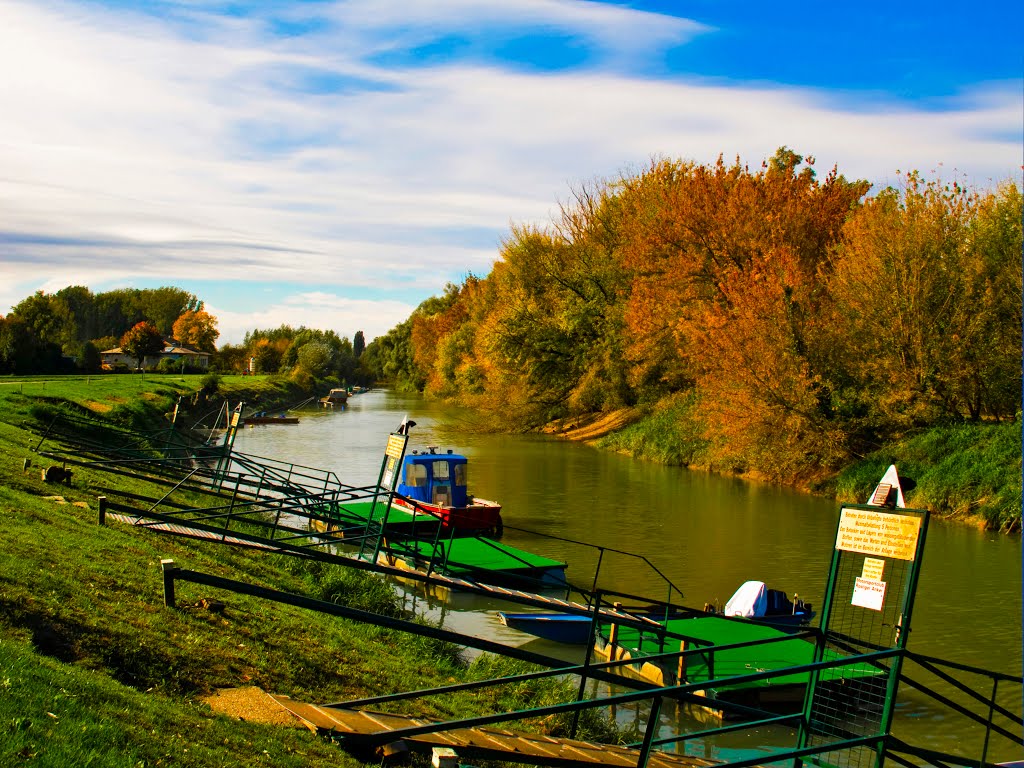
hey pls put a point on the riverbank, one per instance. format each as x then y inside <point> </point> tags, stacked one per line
<point>968,472</point>
<point>94,670</point>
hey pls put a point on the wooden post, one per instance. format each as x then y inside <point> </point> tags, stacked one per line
<point>169,569</point>
<point>681,669</point>
<point>613,637</point>
<point>26,464</point>
<point>103,509</point>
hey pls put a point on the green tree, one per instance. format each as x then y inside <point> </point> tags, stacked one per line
<point>358,344</point>
<point>162,306</point>
<point>141,341</point>
<point>90,359</point>
<point>316,358</point>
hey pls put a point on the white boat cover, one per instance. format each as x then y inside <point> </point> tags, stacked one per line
<point>749,601</point>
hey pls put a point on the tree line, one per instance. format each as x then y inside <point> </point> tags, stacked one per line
<point>794,323</point>
<point>68,330</point>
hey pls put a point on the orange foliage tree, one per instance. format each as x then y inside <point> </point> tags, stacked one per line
<point>198,329</point>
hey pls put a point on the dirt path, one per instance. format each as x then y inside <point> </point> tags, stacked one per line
<point>593,426</point>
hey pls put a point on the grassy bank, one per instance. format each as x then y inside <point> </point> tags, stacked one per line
<point>94,670</point>
<point>969,472</point>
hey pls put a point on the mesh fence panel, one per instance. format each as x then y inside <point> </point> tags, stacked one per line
<point>870,593</point>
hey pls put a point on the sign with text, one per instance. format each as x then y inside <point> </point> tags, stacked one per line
<point>882,534</point>
<point>868,593</point>
<point>873,568</point>
<point>392,456</point>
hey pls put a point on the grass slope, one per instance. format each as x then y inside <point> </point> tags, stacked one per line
<point>95,671</point>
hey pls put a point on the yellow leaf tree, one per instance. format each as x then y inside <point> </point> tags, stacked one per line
<point>197,329</point>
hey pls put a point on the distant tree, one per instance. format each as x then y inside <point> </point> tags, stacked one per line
<point>358,344</point>
<point>90,360</point>
<point>165,305</point>
<point>198,329</point>
<point>142,341</point>
<point>49,319</point>
<point>268,355</point>
<point>231,358</point>
<point>18,347</point>
<point>314,357</point>
<point>81,305</point>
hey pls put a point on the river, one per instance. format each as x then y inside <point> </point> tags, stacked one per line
<point>706,534</point>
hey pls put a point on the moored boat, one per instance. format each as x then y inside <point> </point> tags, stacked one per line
<point>435,484</point>
<point>337,396</point>
<point>264,418</point>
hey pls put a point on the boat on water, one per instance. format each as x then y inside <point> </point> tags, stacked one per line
<point>262,417</point>
<point>435,484</point>
<point>753,600</point>
<point>338,396</point>
<point>783,692</point>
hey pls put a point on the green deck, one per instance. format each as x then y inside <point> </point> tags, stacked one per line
<point>465,556</point>
<point>741,661</point>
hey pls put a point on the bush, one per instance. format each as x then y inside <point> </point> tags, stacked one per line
<point>210,383</point>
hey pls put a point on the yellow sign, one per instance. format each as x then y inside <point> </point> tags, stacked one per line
<point>396,444</point>
<point>873,569</point>
<point>883,534</point>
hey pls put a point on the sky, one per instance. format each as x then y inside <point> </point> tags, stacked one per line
<point>333,163</point>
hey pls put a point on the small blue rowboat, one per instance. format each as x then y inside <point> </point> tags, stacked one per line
<point>559,627</point>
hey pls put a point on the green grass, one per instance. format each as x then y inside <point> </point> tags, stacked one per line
<point>668,434</point>
<point>95,670</point>
<point>968,471</point>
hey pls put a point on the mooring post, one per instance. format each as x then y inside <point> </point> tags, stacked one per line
<point>613,636</point>
<point>169,570</point>
<point>103,509</point>
<point>681,668</point>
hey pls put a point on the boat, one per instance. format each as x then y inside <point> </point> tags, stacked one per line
<point>435,484</point>
<point>262,417</point>
<point>568,628</point>
<point>784,692</point>
<point>755,601</point>
<point>338,396</point>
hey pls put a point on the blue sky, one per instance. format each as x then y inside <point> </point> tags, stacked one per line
<point>334,162</point>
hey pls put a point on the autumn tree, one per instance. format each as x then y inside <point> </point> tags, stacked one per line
<point>198,329</point>
<point>141,341</point>
<point>926,323</point>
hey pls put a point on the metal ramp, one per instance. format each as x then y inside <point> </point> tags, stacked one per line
<point>362,728</point>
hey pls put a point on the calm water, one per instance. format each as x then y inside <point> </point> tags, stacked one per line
<point>705,533</point>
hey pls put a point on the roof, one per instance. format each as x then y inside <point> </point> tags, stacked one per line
<point>171,347</point>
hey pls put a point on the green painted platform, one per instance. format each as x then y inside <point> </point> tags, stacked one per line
<point>794,652</point>
<point>466,555</point>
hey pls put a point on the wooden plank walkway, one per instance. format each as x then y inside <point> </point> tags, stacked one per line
<point>184,530</point>
<point>485,742</point>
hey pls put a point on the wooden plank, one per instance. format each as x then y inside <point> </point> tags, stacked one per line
<point>492,742</point>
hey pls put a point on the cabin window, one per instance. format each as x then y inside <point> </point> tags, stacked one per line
<point>441,470</point>
<point>416,475</point>
<point>460,474</point>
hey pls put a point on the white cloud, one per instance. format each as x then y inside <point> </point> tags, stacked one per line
<point>322,310</point>
<point>133,147</point>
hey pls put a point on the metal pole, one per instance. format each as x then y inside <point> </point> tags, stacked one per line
<point>649,732</point>
<point>596,605</point>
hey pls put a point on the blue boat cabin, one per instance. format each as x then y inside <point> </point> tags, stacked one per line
<point>435,478</point>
